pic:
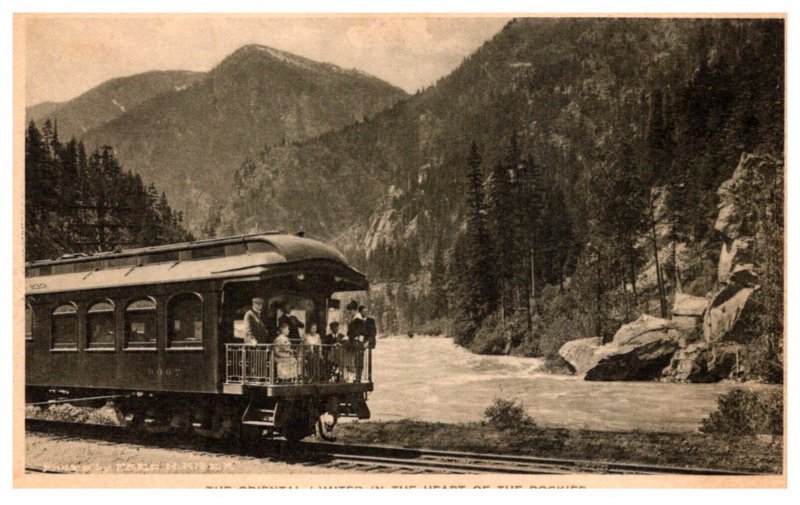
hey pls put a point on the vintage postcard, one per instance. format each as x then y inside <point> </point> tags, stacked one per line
<point>393,251</point>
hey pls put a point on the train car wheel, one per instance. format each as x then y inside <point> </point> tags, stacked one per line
<point>294,431</point>
<point>120,414</point>
<point>250,439</point>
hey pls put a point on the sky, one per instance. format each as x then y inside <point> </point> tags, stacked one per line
<point>68,55</point>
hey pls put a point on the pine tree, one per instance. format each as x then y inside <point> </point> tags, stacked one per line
<point>79,203</point>
<point>503,231</point>
<point>530,192</point>
<point>479,276</point>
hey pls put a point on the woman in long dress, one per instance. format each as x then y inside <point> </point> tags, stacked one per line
<point>312,354</point>
<point>286,369</point>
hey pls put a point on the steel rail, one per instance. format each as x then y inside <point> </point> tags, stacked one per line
<point>593,466</point>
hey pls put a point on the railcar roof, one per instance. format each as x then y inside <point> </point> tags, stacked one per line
<point>223,258</point>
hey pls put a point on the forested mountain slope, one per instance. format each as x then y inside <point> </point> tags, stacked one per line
<point>604,109</point>
<point>190,141</point>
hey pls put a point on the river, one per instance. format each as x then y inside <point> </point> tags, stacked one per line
<point>432,379</point>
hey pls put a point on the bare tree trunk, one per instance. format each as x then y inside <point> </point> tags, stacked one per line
<point>528,306</point>
<point>503,303</point>
<point>678,285</point>
<point>631,260</point>
<point>532,298</point>
<point>661,295</point>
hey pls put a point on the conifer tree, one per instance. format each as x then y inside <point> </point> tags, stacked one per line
<point>504,232</point>
<point>479,285</point>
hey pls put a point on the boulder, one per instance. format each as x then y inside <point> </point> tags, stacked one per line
<point>724,312</point>
<point>744,275</point>
<point>579,354</point>
<point>734,252</point>
<point>729,219</point>
<point>689,365</point>
<point>688,305</point>
<point>645,324</point>
<point>723,361</point>
<point>703,362</point>
<point>639,351</point>
<point>687,312</point>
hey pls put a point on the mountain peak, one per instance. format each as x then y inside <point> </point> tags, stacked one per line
<point>258,52</point>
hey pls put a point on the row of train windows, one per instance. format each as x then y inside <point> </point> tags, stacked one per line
<point>184,324</point>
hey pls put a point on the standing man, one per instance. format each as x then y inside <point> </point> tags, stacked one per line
<point>255,332</point>
<point>370,328</point>
<point>355,329</point>
<point>355,340</point>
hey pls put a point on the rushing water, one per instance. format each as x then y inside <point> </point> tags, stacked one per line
<point>432,379</point>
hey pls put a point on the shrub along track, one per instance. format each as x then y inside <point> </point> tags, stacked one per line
<point>361,458</point>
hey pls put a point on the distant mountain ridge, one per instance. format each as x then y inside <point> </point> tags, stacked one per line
<point>108,101</point>
<point>190,134</point>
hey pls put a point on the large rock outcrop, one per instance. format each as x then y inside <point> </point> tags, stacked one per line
<point>725,312</point>
<point>737,271</point>
<point>702,342</point>
<point>716,357</point>
<point>639,351</point>
<point>579,354</point>
<point>703,362</point>
<point>687,313</point>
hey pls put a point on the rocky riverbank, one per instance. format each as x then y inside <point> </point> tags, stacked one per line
<point>706,336</point>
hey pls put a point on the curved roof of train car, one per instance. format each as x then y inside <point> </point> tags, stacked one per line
<point>285,250</point>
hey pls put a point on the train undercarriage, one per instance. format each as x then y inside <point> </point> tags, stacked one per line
<point>247,417</point>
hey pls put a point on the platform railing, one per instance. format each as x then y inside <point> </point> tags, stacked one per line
<point>269,364</point>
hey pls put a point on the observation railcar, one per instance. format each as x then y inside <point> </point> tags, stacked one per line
<point>158,331</point>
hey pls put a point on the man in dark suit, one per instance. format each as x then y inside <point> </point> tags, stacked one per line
<point>370,328</point>
<point>355,329</point>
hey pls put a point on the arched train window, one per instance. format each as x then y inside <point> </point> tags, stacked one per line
<point>140,324</point>
<point>65,327</point>
<point>100,325</point>
<point>185,321</point>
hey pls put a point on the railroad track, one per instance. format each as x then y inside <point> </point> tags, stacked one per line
<point>367,458</point>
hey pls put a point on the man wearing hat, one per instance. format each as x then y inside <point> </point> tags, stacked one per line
<point>334,337</point>
<point>355,330</point>
<point>255,332</point>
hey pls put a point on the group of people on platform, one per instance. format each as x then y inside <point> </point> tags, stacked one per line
<point>361,333</point>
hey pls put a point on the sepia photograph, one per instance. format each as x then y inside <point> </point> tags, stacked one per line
<point>388,250</point>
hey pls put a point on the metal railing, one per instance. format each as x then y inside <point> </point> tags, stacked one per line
<point>269,364</point>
